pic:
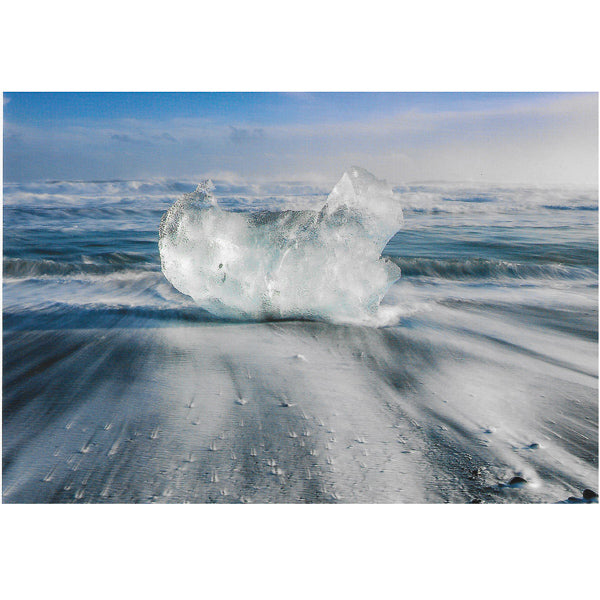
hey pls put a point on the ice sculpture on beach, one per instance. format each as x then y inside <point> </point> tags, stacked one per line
<point>289,264</point>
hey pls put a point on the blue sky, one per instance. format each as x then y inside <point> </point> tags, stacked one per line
<point>500,137</point>
<point>258,108</point>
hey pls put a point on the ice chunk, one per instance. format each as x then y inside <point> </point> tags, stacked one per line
<point>291,264</point>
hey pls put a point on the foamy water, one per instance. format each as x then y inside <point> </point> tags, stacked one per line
<point>119,386</point>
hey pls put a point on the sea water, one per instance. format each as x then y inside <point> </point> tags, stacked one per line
<point>294,342</point>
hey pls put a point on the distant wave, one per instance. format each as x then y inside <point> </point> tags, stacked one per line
<point>464,206</point>
<point>87,212</point>
<point>101,264</point>
<point>570,207</point>
<point>480,268</point>
<point>57,315</point>
<point>151,194</point>
<point>234,192</point>
<point>448,198</point>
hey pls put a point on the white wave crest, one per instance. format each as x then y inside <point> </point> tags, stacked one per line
<point>290,264</point>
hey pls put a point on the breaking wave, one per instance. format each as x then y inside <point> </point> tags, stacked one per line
<point>482,268</point>
<point>104,264</point>
<point>323,263</point>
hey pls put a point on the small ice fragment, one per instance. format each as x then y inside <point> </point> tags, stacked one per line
<point>113,449</point>
<point>301,357</point>
<point>285,403</point>
<point>475,473</point>
<point>517,482</point>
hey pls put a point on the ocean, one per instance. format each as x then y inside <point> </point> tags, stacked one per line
<point>475,379</point>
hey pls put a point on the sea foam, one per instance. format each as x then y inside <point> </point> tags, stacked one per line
<point>314,264</point>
